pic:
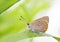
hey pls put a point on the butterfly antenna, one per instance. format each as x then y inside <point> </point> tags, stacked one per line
<point>24,20</point>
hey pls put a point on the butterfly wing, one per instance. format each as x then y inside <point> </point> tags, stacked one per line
<point>40,25</point>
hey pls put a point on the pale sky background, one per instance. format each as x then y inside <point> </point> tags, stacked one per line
<point>54,16</point>
<point>54,23</point>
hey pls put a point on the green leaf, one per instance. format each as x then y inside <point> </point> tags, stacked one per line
<point>57,38</point>
<point>5,4</point>
<point>24,34</point>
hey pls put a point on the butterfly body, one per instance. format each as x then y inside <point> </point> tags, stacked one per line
<point>39,25</point>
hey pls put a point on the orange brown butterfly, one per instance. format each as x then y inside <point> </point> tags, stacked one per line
<point>38,25</point>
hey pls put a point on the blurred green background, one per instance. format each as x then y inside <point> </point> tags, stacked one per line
<point>11,28</point>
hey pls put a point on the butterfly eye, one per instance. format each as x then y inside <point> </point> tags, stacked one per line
<point>28,24</point>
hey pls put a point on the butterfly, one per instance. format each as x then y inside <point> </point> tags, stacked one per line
<point>38,25</point>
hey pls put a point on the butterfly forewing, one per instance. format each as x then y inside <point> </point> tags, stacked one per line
<point>40,25</point>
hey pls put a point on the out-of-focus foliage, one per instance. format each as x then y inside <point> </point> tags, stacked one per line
<point>57,38</point>
<point>11,28</point>
<point>5,4</point>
